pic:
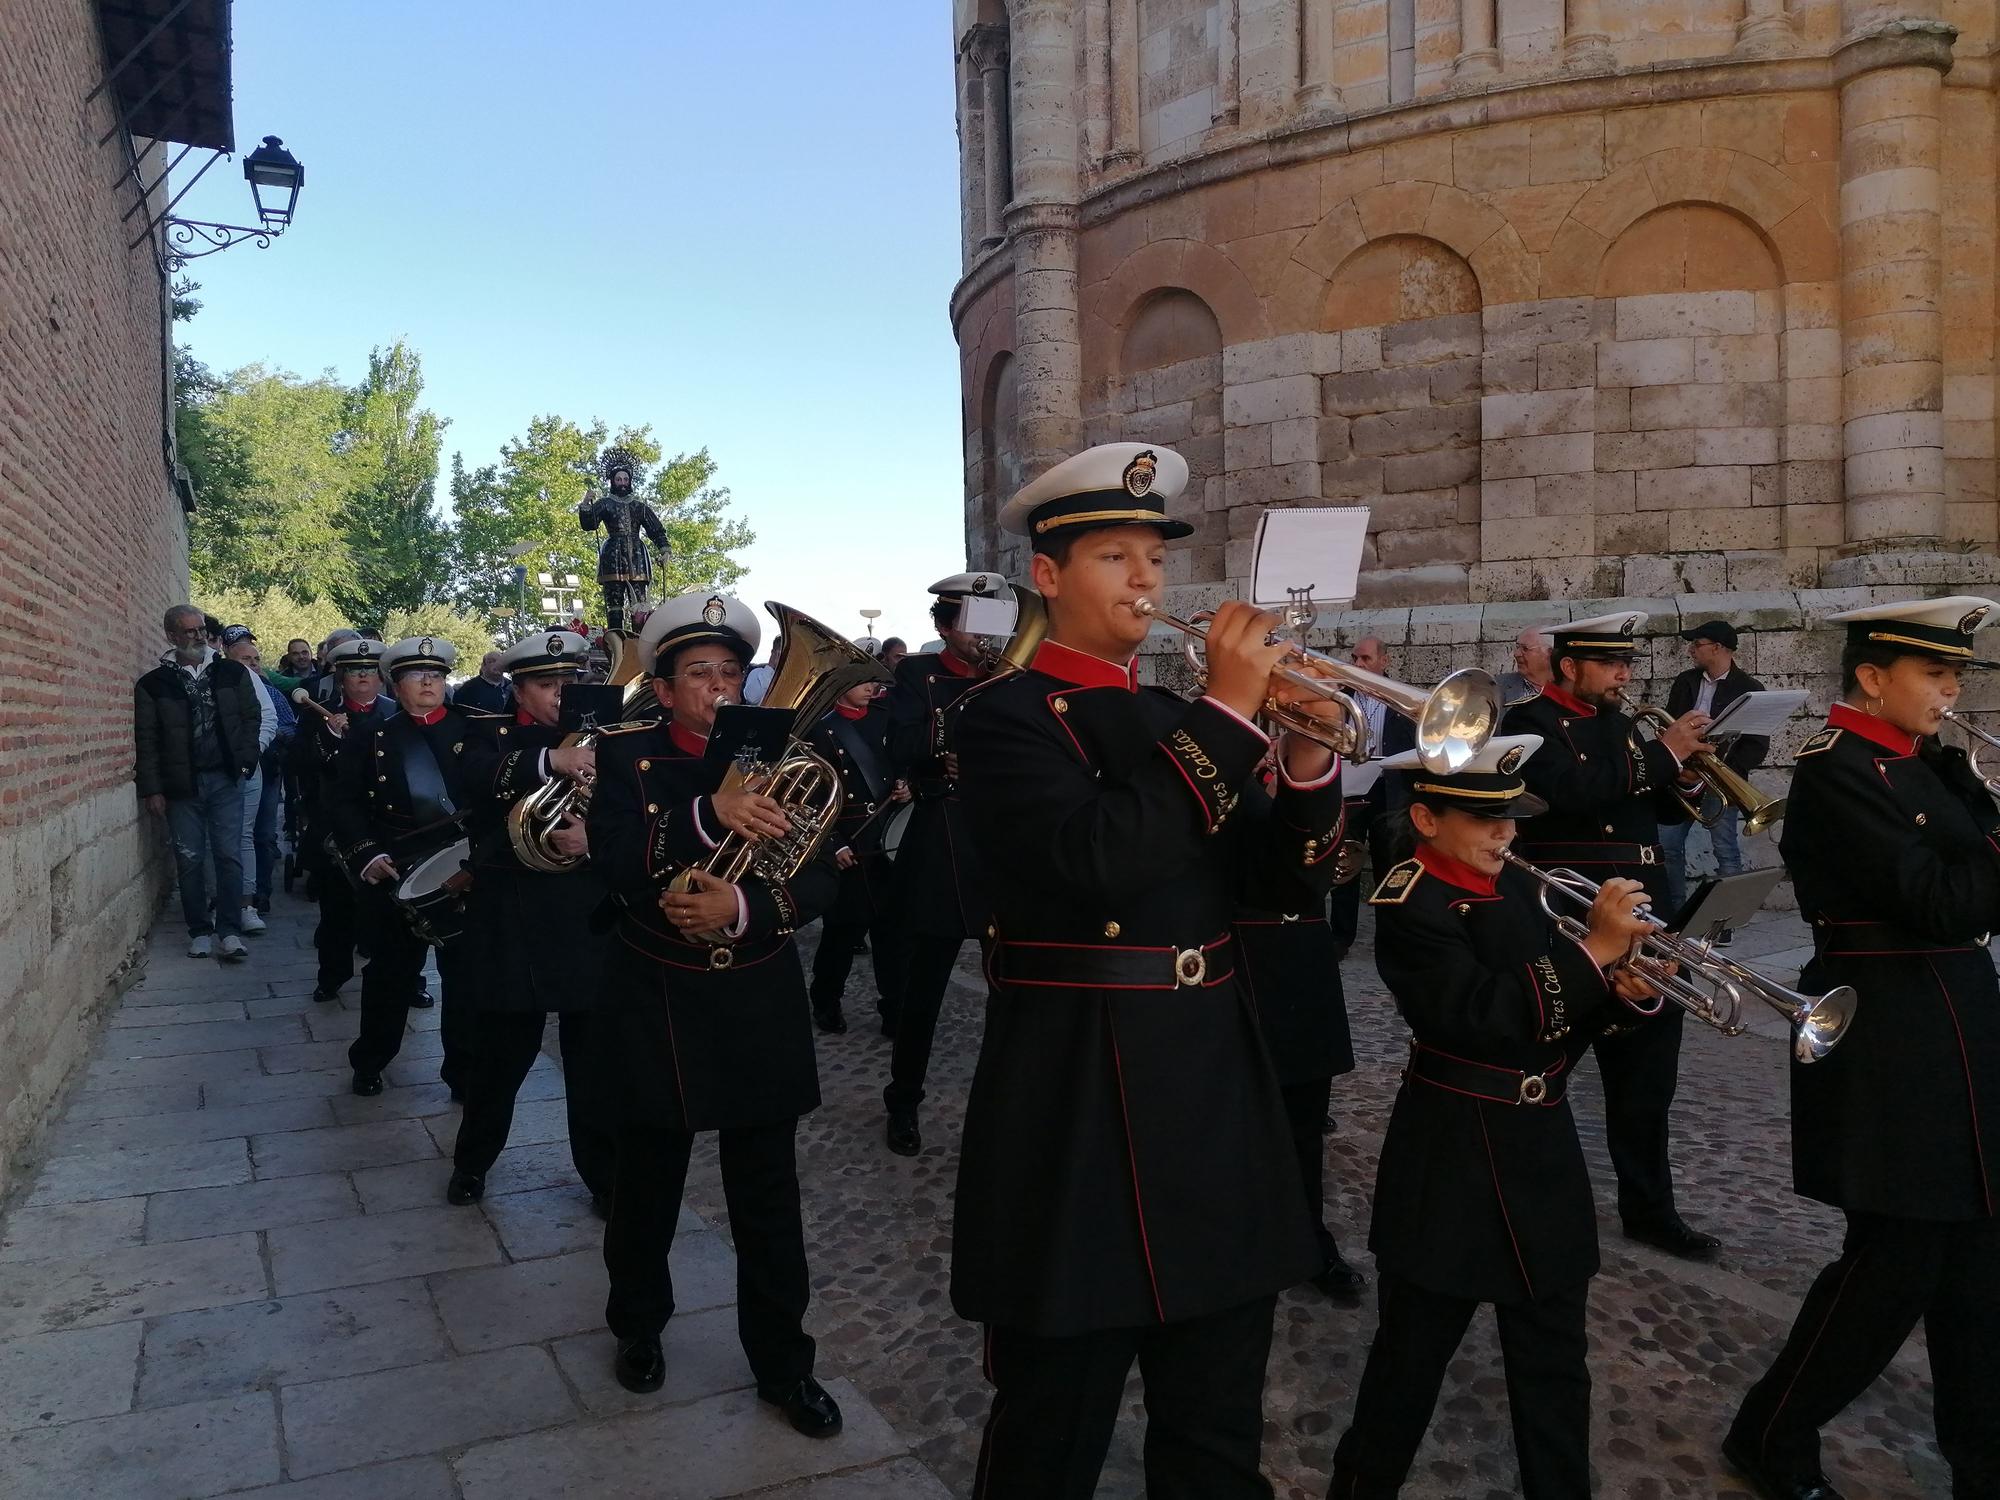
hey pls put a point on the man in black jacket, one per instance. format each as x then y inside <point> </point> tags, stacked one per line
<point>1709,686</point>
<point>195,723</point>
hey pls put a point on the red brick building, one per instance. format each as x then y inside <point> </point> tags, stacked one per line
<point>93,539</point>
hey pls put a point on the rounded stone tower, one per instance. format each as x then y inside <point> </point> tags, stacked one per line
<point>1584,298</point>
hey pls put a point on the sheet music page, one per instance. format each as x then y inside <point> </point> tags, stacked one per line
<point>1757,713</point>
<point>1359,780</point>
<point>1309,546</point>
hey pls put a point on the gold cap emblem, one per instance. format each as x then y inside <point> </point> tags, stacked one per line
<point>1139,475</point>
<point>424,647</point>
<point>1626,628</point>
<point>555,645</point>
<point>1512,759</point>
<point>715,611</point>
<point>1972,618</point>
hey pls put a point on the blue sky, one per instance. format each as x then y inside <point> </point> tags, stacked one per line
<point>736,221</point>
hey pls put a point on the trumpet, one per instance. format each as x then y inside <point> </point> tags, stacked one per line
<point>1454,720</point>
<point>1708,985</point>
<point>1972,731</point>
<point>1759,809</point>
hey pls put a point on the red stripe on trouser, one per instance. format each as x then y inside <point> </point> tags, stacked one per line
<point>984,1477</point>
<point>1764,1441</point>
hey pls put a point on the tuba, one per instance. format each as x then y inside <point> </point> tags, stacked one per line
<point>532,820</point>
<point>812,668</point>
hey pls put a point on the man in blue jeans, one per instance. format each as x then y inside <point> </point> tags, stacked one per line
<point>1711,685</point>
<point>195,724</point>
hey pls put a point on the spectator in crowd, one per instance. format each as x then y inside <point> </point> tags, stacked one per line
<point>1709,686</point>
<point>196,718</point>
<point>488,693</point>
<point>1531,668</point>
<point>298,660</point>
<point>894,650</point>
<point>240,646</point>
<point>322,682</point>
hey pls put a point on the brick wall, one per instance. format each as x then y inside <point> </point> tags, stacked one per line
<point>92,549</point>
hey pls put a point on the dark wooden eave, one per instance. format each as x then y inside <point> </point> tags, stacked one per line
<point>172,78</point>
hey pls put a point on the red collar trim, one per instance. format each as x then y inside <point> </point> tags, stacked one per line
<point>848,711</point>
<point>957,665</point>
<point>1083,669</point>
<point>348,705</point>
<point>1455,872</point>
<point>687,741</point>
<point>1871,729</point>
<point>1568,702</point>
<point>430,718</point>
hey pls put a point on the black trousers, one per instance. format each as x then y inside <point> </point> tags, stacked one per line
<point>504,1045</point>
<point>1891,1275</point>
<point>862,911</point>
<point>1542,1346</point>
<point>1641,1070</point>
<point>760,1183</point>
<point>334,935</point>
<point>1056,1400</point>
<point>927,962</point>
<point>1305,1113</point>
<point>394,976</point>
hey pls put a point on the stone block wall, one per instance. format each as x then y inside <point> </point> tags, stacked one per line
<point>92,550</point>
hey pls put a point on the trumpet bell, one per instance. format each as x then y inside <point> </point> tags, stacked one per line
<point>1820,1024</point>
<point>1457,719</point>
<point>1761,817</point>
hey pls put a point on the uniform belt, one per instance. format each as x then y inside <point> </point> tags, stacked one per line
<point>930,788</point>
<point>676,953</point>
<point>1096,966</point>
<point>1832,939</point>
<point>1489,1081</point>
<point>1549,856</point>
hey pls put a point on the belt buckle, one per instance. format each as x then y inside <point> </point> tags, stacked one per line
<point>1648,855</point>
<point>721,958</point>
<point>1190,967</point>
<point>1534,1088</point>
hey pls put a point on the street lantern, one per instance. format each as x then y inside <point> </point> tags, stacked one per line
<point>275,177</point>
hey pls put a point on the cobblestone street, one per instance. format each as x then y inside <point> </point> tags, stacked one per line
<point>231,1276</point>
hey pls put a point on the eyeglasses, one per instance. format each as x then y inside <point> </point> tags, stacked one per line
<point>188,633</point>
<point>702,673</point>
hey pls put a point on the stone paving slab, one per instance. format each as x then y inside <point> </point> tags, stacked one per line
<point>905,1479</point>
<point>38,1296</point>
<point>380,1143</point>
<point>379,1247</point>
<point>201,1212</point>
<point>142,1072</point>
<point>53,1378</point>
<point>206,1036</point>
<point>313,1337</point>
<point>116,1104</point>
<point>731,1444</point>
<point>143,1169</point>
<point>305,1057</point>
<point>404,1479</point>
<point>527,1302</point>
<point>179,1127</point>
<point>412,1103</point>
<point>338,1424</point>
<point>703,1359</point>
<point>177,1453</point>
<point>544,1221</point>
<point>262,1088</point>
<point>420,1184</point>
<point>535,1122</point>
<point>72,1229</point>
<point>178,1015</point>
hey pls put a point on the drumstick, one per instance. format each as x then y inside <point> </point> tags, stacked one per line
<point>301,695</point>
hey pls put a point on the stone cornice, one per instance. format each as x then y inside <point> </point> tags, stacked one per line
<point>994,265</point>
<point>1898,44</point>
<point>1028,216</point>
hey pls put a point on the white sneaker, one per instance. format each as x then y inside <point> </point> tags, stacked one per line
<point>253,921</point>
<point>198,946</point>
<point>233,951</point>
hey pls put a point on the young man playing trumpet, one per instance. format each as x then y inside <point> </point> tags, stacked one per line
<point>1127,1188</point>
<point>1482,1194</point>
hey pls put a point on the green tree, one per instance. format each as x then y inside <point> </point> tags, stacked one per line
<point>274,615</point>
<point>399,547</point>
<point>469,632</point>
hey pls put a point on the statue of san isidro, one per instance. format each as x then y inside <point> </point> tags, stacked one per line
<point>624,566</point>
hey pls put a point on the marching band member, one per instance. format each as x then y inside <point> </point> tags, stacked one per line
<point>1482,1194</point>
<point>1608,789</point>
<point>939,891</point>
<point>529,948</point>
<point>704,1036</point>
<point>854,739</point>
<point>1127,1188</point>
<point>355,665</point>
<point>397,797</point>
<point>1893,845</point>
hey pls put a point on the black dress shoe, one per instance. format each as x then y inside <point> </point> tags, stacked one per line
<point>904,1137</point>
<point>367,1085</point>
<point>464,1188</point>
<point>806,1406</point>
<point>423,1001</point>
<point>1674,1235</point>
<point>322,994</point>
<point>1812,1485</point>
<point>640,1367</point>
<point>1340,1281</point>
<point>829,1019</point>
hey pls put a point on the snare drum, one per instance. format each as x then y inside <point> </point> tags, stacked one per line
<point>433,894</point>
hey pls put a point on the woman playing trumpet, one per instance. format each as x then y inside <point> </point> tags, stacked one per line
<point>1893,844</point>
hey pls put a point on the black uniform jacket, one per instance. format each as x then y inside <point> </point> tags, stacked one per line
<point>1608,788</point>
<point>1482,1193</point>
<point>1895,854</point>
<point>940,891</point>
<point>1126,1159</point>
<point>1289,963</point>
<point>1749,750</point>
<point>704,1038</point>
<point>397,785</point>
<point>529,944</point>
<point>858,747</point>
<point>316,764</point>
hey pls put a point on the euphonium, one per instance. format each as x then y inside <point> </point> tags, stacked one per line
<point>532,820</point>
<point>1759,810</point>
<point>812,668</point>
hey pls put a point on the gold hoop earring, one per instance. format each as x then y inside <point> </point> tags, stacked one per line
<point>1874,707</point>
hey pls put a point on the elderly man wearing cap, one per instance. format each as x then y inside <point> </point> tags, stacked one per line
<point>1482,1194</point>
<point>355,665</point>
<point>1893,845</point>
<point>1609,790</point>
<point>529,948</point>
<point>398,797</point>
<point>1709,686</point>
<point>938,895</point>
<point>1127,1185</point>
<point>704,1035</point>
